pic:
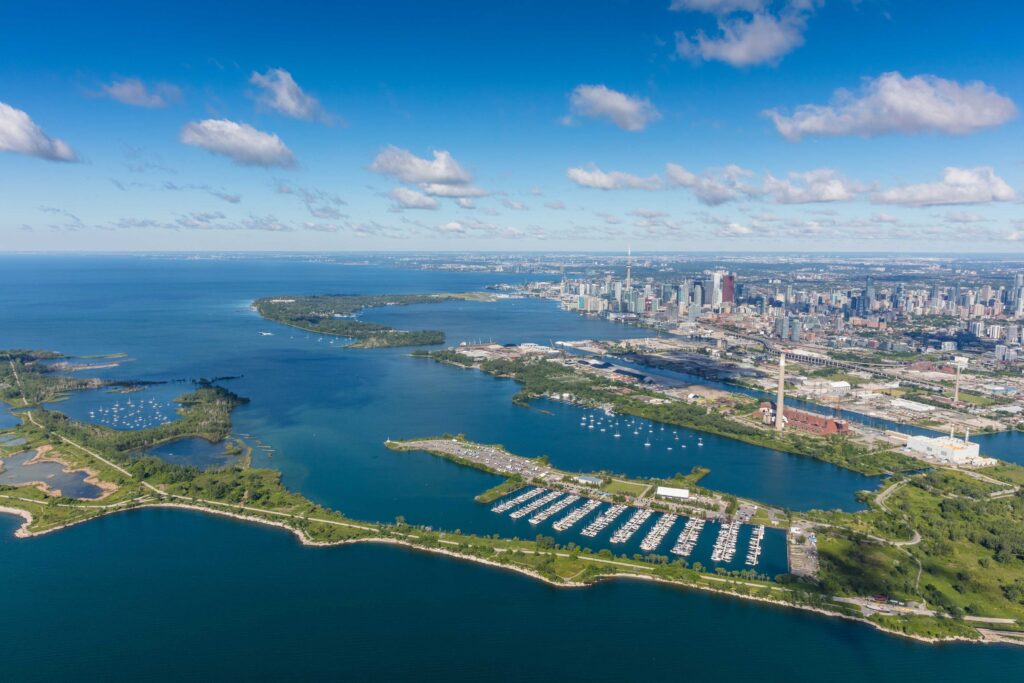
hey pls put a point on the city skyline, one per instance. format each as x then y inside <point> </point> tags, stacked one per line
<point>691,125</point>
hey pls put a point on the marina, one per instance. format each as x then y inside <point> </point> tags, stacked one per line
<point>658,532</point>
<point>626,531</point>
<point>535,505</point>
<point>754,550</point>
<point>553,509</point>
<point>602,522</point>
<point>517,500</point>
<point>570,520</point>
<point>688,537</point>
<point>725,544</point>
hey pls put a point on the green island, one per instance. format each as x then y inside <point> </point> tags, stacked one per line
<point>335,315</point>
<point>948,546</point>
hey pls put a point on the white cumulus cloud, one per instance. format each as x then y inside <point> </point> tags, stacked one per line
<point>715,186</point>
<point>20,134</point>
<point>894,104</point>
<point>280,92</point>
<point>717,6</point>
<point>611,180</point>
<point>978,185</point>
<point>405,166</point>
<point>136,93</point>
<point>599,101</point>
<point>763,37</point>
<point>405,198</point>
<point>238,141</point>
<point>821,185</point>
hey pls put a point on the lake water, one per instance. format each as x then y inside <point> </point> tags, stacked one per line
<point>326,411</point>
<point>70,484</point>
<point>175,595</point>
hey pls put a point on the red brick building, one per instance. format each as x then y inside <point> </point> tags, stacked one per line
<point>806,421</point>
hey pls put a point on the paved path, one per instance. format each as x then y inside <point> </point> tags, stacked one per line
<point>86,450</point>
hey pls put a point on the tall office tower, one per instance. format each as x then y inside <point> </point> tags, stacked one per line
<point>780,400</point>
<point>869,293</point>
<point>698,296</point>
<point>629,268</point>
<point>716,290</point>
<point>729,288</point>
<point>789,295</point>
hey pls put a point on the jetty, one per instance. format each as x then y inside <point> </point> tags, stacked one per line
<point>518,500</point>
<point>535,505</point>
<point>658,532</point>
<point>626,531</point>
<point>725,544</point>
<point>688,537</point>
<point>553,509</point>
<point>754,550</point>
<point>599,524</point>
<point>567,522</point>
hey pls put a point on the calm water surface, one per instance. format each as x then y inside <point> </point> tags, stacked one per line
<point>281,610</point>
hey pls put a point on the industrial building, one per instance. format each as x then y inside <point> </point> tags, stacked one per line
<point>948,450</point>
<point>804,420</point>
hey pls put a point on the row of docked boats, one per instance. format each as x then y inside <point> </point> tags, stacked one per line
<point>725,544</point>
<point>599,524</point>
<point>688,537</point>
<point>553,509</point>
<point>517,500</point>
<point>658,532</point>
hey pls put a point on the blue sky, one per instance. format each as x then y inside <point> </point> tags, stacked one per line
<point>520,125</point>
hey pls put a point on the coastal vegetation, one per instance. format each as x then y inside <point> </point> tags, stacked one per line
<point>336,315</point>
<point>969,559</point>
<point>540,377</point>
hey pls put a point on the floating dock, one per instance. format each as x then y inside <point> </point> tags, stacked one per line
<point>553,509</point>
<point>725,544</point>
<point>754,551</point>
<point>688,537</point>
<point>567,522</point>
<point>658,532</point>
<point>518,500</point>
<point>599,524</point>
<point>626,531</point>
<point>535,505</point>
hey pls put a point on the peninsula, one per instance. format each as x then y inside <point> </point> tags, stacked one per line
<point>336,315</point>
<point>920,542</point>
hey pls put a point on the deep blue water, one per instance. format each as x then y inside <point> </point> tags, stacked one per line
<point>162,595</point>
<point>326,411</point>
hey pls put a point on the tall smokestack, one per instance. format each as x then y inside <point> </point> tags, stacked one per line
<point>780,409</point>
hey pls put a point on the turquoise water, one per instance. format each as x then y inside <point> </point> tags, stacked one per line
<point>236,597</point>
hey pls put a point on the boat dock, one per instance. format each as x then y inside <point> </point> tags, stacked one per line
<point>512,502</point>
<point>553,509</point>
<point>688,537</point>
<point>599,524</point>
<point>567,522</point>
<point>536,504</point>
<point>754,551</point>
<point>725,544</point>
<point>658,532</point>
<point>626,531</point>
